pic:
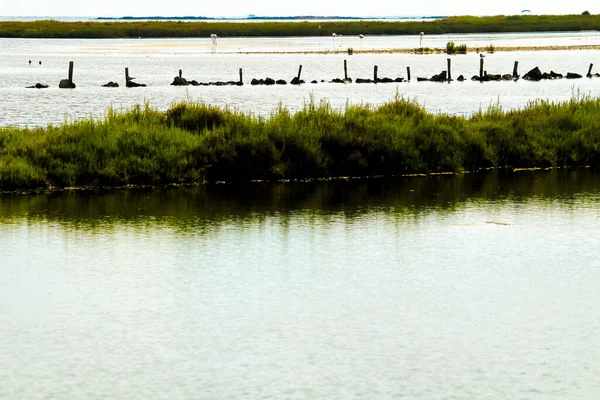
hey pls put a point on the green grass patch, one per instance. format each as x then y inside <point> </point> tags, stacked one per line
<point>196,142</point>
<point>203,29</point>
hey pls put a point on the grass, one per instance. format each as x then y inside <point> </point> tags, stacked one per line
<point>197,142</point>
<point>160,29</point>
<point>451,48</point>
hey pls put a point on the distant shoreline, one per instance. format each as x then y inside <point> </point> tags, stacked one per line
<point>105,29</point>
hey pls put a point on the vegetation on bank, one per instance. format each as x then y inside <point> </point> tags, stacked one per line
<point>163,29</point>
<point>196,142</point>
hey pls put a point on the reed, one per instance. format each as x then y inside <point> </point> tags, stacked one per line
<point>161,29</point>
<point>197,142</point>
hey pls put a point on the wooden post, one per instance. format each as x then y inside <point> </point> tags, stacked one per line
<point>515,68</point>
<point>449,69</point>
<point>241,75</point>
<point>180,73</point>
<point>71,73</point>
<point>345,70</point>
<point>126,75</point>
<point>589,74</point>
<point>408,73</point>
<point>299,72</point>
<point>480,68</point>
<point>375,73</point>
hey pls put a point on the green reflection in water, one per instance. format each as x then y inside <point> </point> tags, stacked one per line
<point>202,208</point>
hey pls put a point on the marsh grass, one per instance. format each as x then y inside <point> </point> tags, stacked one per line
<point>197,142</point>
<point>160,29</point>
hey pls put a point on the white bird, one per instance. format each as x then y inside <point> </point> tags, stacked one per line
<point>334,34</point>
<point>213,37</point>
<point>361,36</point>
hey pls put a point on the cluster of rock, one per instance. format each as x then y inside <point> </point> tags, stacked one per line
<point>270,81</point>
<point>38,86</point>
<point>494,77</point>
<point>537,75</point>
<point>180,81</point>
<point>111,84</point>
<point>441,77</point>
<point>379,80</point>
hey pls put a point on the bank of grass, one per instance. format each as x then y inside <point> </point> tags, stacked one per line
<point>203,29</point>
<point>196,142</point>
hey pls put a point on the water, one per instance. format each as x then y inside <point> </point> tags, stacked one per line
<point>156,61</point>
<point>480,286</point>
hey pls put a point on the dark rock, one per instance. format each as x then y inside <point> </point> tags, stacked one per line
<point>281,82</point>
<point>361,80</point>
<point>554,75</point>
<point>533,75</point>
<point>65,84</point>
<point>385,80</point>
<point>337,80</point>
<point>507,77</point>
<point>38,86</point>
<point>131,83</point>
<point>475,78</point>
<point>111,84</point>
<point>194,83</point>
<point>179,81</point>
<point>255,81</point>
<point>460,78</point>
<point>573,75</point>
<point>296,81</point>
<point>314,82</point>
<point>269,81</point>
<point>422,79</point>
<point>493,77</point>
<point>398,80</point>
<point>441,77</point>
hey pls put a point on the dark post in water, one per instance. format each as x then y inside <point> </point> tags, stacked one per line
<point>375,73</point>
<point>71,73</point>
<point>515,67</point>
<point>408,73</point>
<point>180,73</point>
<point>241,75</point>
<point>345,70</point>
<point>480,68</point>
<point>126,75</point>
<point>299,72</point>
<point>449,68</point>
<point>589,74</point>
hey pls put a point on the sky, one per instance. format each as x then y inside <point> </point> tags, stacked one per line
<point>239,8</point>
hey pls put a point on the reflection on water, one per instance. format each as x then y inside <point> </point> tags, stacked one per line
<point>478,286</point>
<point>194,207</point>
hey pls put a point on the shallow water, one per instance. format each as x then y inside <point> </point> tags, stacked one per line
<point>450,287</point>
<point>156,61</point>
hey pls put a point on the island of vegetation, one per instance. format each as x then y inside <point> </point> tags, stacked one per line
<point>197,143</point>
<point>192,28</point>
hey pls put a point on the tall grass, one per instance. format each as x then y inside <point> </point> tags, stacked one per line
<point>197,142</point>
<point>155,29</point>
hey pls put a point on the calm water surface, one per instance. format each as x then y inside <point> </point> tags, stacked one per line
<point>451,287</point>
<point>156,61</point>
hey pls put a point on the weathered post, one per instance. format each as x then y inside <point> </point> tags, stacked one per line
<point>345,70</point>
<point>408,73</point>
<point>180,73</point>
<point>126,75</point>
<point>375,73</point>
<point>589,74</point>
<point>481,68</point>
<point>71,73</point>
<point>515,68</point>
<point>449,69</point>
<point>299,72</point>
<point>241,75</point>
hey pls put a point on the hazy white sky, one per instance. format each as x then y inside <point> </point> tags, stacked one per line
<point>223,8</point>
